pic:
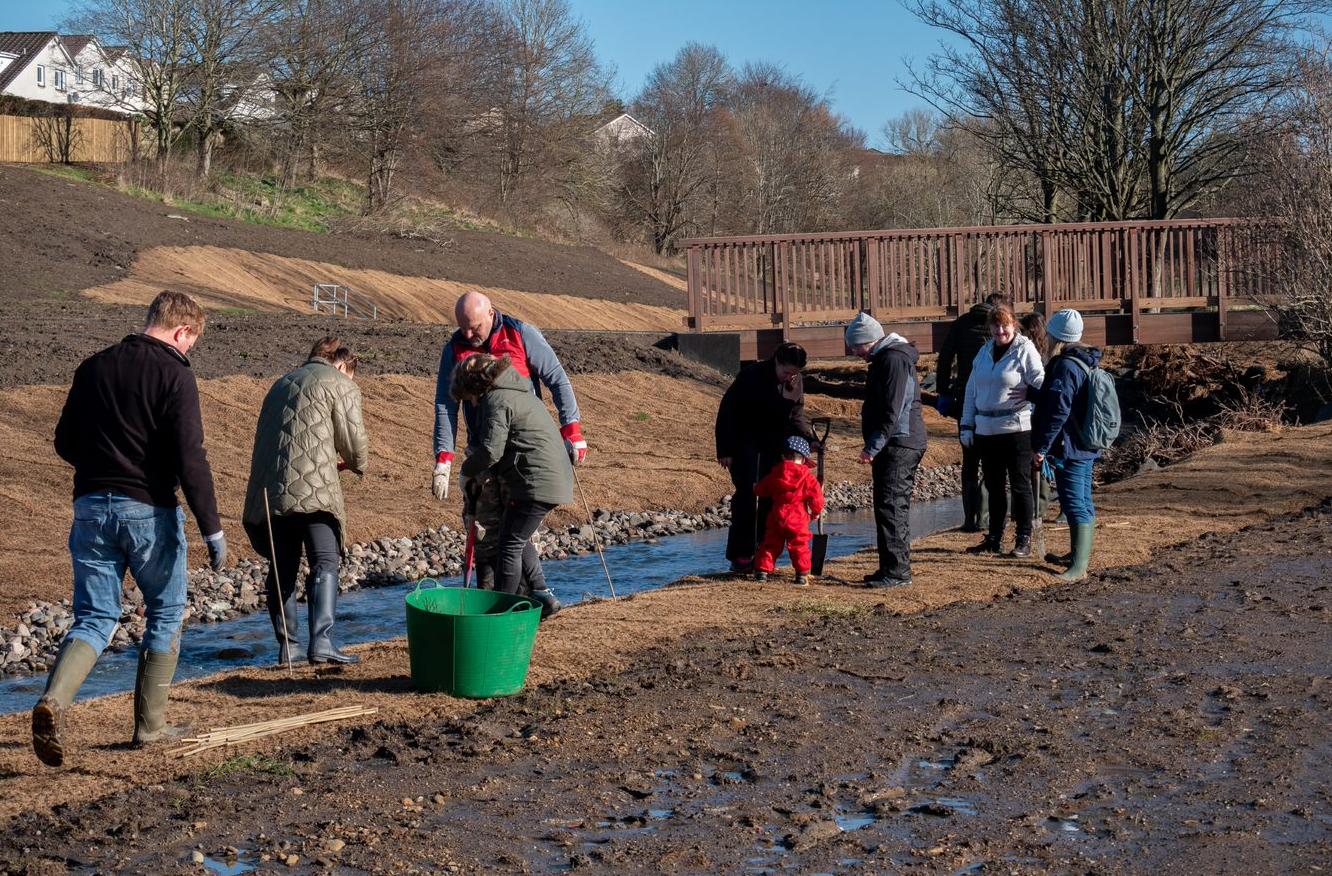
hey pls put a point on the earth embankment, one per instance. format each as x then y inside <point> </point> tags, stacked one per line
<point>62,236</point>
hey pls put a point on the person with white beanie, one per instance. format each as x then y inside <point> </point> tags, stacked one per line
<point>894,435</point>
<point>1057,436</point>
<point>996,419</point>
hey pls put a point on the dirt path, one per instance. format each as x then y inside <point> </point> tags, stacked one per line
<point>1246,481</point>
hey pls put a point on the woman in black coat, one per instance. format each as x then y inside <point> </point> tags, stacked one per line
<point>761,409</point>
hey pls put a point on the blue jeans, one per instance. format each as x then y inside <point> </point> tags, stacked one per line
<point>112,533</point>
<point>1073,483</point>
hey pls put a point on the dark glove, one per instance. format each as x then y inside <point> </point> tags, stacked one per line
<point>217,550</point>
<point>944,405</point>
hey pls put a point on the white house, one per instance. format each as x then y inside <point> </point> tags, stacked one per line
<point>42,65</point>
<point>622,130</point>
<point>35,65</point>
<point>104,76</point>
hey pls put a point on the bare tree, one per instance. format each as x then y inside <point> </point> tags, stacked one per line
<point>225,59</point>
<point>1124,106</point>
<point>798,156</point>
<point>668,169</point>
<point>312,47</point>
<point>155,34</point>
<point>1294,185</point>
<point>556,88</point>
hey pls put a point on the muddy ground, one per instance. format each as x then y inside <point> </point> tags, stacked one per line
<point>58,236</point>
<point>1146,721</point>
<point>43,342</point>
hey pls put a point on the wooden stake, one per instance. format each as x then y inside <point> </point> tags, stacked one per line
<point>277,585</point>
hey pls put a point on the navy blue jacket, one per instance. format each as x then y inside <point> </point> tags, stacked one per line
<point>1061,405</point>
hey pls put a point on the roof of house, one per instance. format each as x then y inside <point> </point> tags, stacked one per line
<point>76,43</point>
<point>25,44</point>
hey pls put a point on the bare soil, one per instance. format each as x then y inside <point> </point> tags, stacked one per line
<point>62,236</point>
<point>650,437</point>
<point>1146,721</point>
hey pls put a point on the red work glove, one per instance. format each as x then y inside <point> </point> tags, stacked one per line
<point>574,443</point>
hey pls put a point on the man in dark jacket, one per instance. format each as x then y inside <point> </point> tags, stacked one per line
<point>761,409</point>
<point>894,435</point>
<point>132,430</point>
<point>966,336</point>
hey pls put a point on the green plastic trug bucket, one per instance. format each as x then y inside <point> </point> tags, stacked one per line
<point>470,643</point>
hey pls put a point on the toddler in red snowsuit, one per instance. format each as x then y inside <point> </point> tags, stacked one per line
<point>796,499</point>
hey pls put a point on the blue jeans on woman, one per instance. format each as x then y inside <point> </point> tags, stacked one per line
<point>1073,483</point>
<point>112,533</point>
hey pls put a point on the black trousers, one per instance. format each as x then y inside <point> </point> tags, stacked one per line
<point>1006,460</point>
<point>516,559</point>
<point>971,466</point>
<point>316,534</point>
<point>894,473</point>
<point>748,513</point>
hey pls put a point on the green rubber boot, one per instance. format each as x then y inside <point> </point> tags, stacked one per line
<point>1081,535</point>
<point>151,687</point>
<point>75,661</point>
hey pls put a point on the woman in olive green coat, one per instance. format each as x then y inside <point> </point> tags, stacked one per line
<point>309,429</point>
<point>520,444</point>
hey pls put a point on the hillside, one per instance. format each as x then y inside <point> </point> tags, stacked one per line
<point>59,236</point>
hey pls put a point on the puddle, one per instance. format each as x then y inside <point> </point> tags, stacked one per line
<point>228,866</point>
<point>854,820</point>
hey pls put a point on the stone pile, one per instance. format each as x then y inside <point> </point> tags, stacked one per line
<point>31,644</point>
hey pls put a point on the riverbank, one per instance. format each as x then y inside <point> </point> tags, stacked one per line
<point>1248,479</point>
<point>31,645</point>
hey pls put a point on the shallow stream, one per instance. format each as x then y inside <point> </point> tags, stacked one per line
<point>374,615</point>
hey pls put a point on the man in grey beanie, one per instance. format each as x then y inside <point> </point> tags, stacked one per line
<point>894,435</point>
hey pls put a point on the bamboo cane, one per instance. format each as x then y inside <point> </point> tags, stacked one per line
<point>596,540</point>
<point>227,736</point>
<point>277,585</point>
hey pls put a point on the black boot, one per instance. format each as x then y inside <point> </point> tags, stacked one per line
<point>991,544</point>
<point>283,615</point>
<point>322,596</point>
<point>971,496</point>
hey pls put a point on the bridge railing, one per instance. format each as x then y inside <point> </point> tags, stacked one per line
<point>802,279</point>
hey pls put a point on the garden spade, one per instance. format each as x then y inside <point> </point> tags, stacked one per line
<point>819,549</point>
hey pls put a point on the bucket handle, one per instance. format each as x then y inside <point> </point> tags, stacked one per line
<point>433,584</point>
<point>524,605</point>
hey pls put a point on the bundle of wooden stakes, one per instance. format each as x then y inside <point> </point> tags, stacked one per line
<point>219,737</point>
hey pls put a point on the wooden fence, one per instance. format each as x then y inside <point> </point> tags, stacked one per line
<point>30,140</point>
<point>1129,267</point>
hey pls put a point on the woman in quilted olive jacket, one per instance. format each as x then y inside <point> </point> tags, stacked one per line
<point>520,444</point>
<point>309,429</point>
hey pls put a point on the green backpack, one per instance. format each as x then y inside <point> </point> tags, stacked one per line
<point>1099,426</point>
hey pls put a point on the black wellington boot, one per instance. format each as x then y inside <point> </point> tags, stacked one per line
<point>323,599</point>
<point>283,615</point>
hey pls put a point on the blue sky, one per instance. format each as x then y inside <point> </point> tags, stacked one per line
<point>848,50</point>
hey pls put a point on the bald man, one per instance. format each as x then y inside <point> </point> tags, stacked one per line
<point>483,329</point>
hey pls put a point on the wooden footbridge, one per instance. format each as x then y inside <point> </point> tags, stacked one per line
<point>1134,283</point>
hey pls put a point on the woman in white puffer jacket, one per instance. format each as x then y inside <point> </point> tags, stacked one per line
<point>996,416</point>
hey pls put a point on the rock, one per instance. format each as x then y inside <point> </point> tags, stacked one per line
<point>334,845</point>
<point>196,856</point>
